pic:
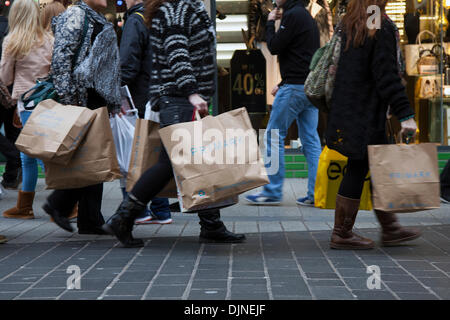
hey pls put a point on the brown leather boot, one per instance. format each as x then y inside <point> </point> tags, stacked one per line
<point>24,207</point>
<point>392,232</point>
<point>344,219</point>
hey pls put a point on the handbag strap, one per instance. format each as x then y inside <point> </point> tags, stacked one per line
<point>419,37</point>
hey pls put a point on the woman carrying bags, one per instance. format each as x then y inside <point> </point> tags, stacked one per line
<point>26,57</point>
<point>182,79</point>
<point>85,72</point>
<point>367,82</point>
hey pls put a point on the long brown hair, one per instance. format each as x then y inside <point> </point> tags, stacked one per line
<point>150,9</point>
<point>354,22</point>
<point>51,10</point>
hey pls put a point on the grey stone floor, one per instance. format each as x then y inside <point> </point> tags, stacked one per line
<point>286,256</point>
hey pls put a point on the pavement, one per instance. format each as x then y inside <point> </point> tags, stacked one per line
<point>286,257</point>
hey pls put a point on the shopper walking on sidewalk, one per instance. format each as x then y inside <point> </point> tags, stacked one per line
<point>136,66</point>
<point>82,34</point>
<point>183,43</point>
<point>26,57</point>
<point>367,82</point>
<point>12,175</point>
<point>295,43</point>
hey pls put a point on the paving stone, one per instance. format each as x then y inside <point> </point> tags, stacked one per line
<point>373,295</point>
<point>334,293</point>
<point>137,276</point>
<point>11,287</point>
<point>359,283</point>
<point>42,293</point>
<point>259,296</point>
<point>436,282</point>
<point>281,297</point>
<point>325,283</point>
<point>167,291</point>
<point>122,297</point>
<point>416,296</point>
<point>9,295</point>
<point>406,287</point>
<point>321,275</point>
<point>80,295</point>
<point>210,284</point>
<point>127,288</point>
<point>209,294</point>
<point>171,280</point>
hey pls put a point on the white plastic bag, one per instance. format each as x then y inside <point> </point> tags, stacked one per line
<point>123,134</point>
<point>150,114</point>
<point>2,193</point>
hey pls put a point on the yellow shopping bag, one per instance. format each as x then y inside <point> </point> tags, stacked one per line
<point>331,169</point>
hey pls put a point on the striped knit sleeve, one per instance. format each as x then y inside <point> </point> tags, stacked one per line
<point>176,39</point>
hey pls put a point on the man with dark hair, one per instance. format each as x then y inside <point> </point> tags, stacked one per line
<point>11,176</point>
<point>294,43</point>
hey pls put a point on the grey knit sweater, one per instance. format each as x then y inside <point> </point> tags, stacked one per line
<point>183,43</point>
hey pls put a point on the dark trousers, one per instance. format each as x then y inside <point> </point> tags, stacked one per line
<point>7,147</point>
<point>156,178</point>
<point>89,204</point>
<point>353,182</point>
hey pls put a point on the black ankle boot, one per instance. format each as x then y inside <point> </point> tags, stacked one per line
<point>58,217</point>
<point>213,230</point>
<point>122,222</point>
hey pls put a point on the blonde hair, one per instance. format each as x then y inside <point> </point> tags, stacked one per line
<point>24,28</point>
<point>51,10</point>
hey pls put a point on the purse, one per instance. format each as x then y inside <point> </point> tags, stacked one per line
<point>428,62</point>
<point>319,84</point>
<point>412,51</point>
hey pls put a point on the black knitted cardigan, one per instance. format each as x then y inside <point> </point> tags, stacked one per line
<point>367,81</point>
<point>183,42</point>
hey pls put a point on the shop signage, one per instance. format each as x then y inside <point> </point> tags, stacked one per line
<point>248,80</point>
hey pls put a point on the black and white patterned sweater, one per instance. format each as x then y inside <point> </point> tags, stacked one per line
<point>183,43</point>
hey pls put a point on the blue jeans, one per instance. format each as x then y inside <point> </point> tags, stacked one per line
<point>29,165</point>
<point>291,104</point>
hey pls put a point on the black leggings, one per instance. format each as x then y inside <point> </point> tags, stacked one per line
<point>353,182</point>
<point>154,179</point>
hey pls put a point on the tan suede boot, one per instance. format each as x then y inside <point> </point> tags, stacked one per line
<point>344,219</point>
<point>24,207</point>
<point>392,232</point>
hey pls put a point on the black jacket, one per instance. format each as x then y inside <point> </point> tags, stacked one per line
<point>367,81</point>
<point>135,56</point>
<point>295,42</point>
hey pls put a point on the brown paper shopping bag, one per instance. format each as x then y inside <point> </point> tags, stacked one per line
<point>214,158</point>
<point>405,178</point>
<point>54,131</point>
<point>145,153</point>
<point>94,161</point>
